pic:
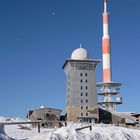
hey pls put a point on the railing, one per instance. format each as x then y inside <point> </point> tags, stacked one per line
<point>89,126</point>
<point>33,122</point>
<point>110,101</point>
<point>108,91</point>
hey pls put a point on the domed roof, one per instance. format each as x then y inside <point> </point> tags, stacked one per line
<point>80,54</point>
<point>42,106</point>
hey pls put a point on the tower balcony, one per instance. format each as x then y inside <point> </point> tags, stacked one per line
<point>118,100</point>
<point>106,91</point>
<point>108,84</point>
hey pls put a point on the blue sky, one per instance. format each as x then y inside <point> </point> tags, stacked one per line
<point>37,36</point>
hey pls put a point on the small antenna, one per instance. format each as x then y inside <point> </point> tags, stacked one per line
<point>80,45</point>
<point>105,5</point>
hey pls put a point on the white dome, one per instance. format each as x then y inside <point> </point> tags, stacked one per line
<point>42,106</point>
<point>80,54</point>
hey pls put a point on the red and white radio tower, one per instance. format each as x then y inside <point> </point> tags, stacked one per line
<point>106,47</point>
<point>108,90</point>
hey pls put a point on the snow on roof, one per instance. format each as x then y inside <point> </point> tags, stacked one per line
<point>127,115</point>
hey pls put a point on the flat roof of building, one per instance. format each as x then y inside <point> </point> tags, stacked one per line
<point>88,60</point>
<point>46,108</point>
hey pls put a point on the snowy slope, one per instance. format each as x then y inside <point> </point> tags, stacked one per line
<point>3,136</point>
<point>99,132</point>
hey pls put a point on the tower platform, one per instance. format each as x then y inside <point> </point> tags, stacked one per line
<point>108,84</point>
<point>109,95</point>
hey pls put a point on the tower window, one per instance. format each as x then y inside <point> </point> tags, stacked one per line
<point>86,94</point>
<point>81,94</point>
<point>86,114</point>
<point>67,102</point>
<point>81,87</point>
<point>81,100</point>
<point>81,114</point>
<point>86,101</point>
<point>86,107</point>
<point>81,74</point>
<point>86,74</point>
<point>81,107</point>
<point>86,87</point>
<point>86,80</point>
<point>81,81</point>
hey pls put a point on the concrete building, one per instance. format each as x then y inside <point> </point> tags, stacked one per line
<point>128,119</point>
<point>137,116</point>
<point>81,97</point>
<point>47,115</point>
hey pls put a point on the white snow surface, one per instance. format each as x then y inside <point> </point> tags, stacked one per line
<point>99,132</point>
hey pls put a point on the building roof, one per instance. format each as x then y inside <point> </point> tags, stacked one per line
<point>127,115</point>
<point>47,108</point>
<point>80,54</point>
<point>96,61</point>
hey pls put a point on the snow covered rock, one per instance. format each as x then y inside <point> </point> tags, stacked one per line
<point>98,133</point>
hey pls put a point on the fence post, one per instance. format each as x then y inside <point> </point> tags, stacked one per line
<point>2,128</point>
<point>65,123</point>
<point>90,128</point>
<point>38,125</point>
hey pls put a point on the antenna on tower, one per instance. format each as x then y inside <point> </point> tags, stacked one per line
<point>105,5</point>
<point>80,45</point>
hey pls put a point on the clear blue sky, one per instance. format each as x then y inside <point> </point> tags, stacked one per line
<point>37,36</point>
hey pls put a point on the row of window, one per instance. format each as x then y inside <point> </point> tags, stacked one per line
<point>81,74</point>
<point>82,114</point>
<point>82,101</point>
<point>82,66</point>
<point>86,120</point>
<point>82,94</point>
<point>82,87</point>
<point>83,107</point>
<point>86,87</point>
<point>81,81</point>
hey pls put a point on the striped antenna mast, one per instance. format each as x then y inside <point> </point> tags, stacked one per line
<point>106,47</point>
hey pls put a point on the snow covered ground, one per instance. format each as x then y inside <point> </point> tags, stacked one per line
<point>99,132</point>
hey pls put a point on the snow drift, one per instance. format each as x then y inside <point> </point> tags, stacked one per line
<point>99,132</point>
<point>3,135</point>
